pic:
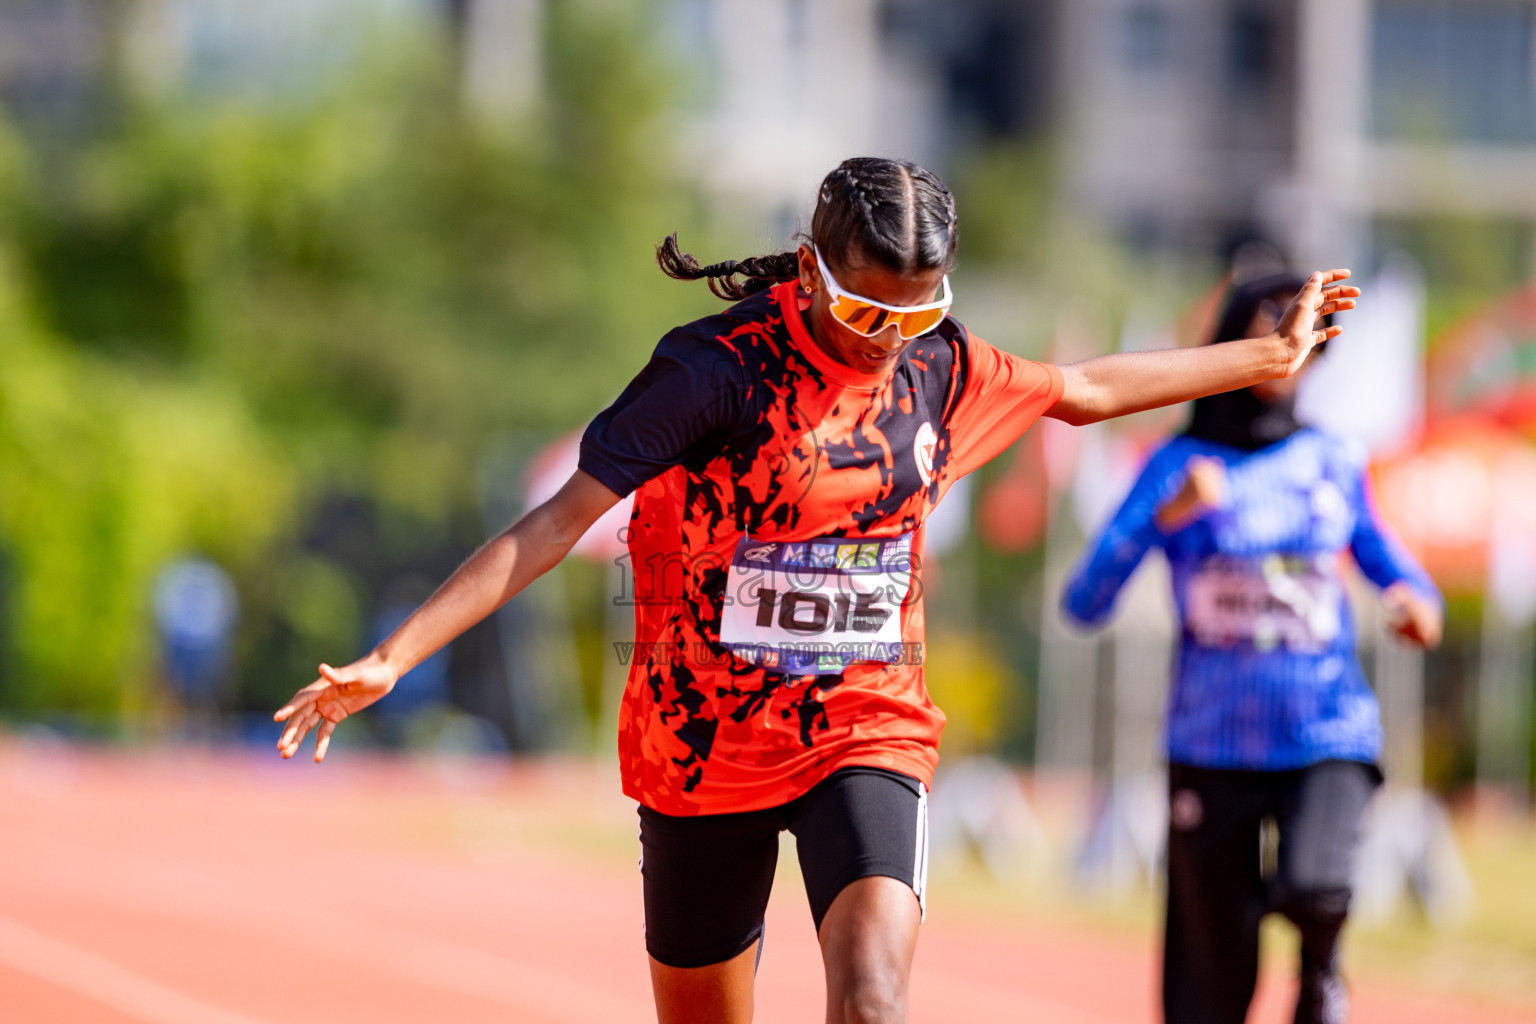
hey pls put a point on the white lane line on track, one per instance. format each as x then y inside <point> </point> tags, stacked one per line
<point>85,973</point>
<point>536,993</point>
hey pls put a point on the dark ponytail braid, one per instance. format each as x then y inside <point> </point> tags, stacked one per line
<point>759,272</point>
<point>870,211</point>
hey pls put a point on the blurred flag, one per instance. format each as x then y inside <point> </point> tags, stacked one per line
<point>1447,493</point>
<point>949,521</point>
<point>605,539</point>
<point>1487,363</point>
<point>1011,514</point>
<point>1369,385</point>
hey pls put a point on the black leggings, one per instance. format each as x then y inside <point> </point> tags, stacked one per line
<point>1217,889</point>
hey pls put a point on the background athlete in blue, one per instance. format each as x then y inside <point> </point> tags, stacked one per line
<point>1270,714</point>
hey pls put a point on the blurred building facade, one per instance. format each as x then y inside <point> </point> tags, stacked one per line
<point>1181,125</point>
<point>1185,125</point>
<point>788,88</point>
<point>52,53</point>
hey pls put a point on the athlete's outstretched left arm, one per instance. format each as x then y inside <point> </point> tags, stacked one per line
<point>505,565</point>
<point>1110,386</point>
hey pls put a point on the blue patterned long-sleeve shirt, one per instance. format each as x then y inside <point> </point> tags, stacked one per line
<point>1266,675</point>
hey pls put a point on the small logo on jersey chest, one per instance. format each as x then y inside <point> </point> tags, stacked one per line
<point>924,447</point>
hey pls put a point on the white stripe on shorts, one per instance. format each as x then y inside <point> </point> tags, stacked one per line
<point>920,856</point>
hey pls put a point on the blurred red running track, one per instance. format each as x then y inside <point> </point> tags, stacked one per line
<point>236,889</point>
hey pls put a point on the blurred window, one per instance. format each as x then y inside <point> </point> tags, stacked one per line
<point>1251,49</point>
<point>1454,70</point>
<point>993,58</point>
<point>689,30</point>
<point>50,60</point>
<point>274,49</point>
<point>799,24</point>
<point>1146,38</point>
<point>989,79</point>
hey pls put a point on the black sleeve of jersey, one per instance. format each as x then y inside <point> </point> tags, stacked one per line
<point>684,400</point>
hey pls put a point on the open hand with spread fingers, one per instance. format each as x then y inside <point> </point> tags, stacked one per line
<point>502,567</point>
<point>322,704</point>
<point>1320,296</point>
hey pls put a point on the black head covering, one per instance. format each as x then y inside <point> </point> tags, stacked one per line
<point>1241,419</point>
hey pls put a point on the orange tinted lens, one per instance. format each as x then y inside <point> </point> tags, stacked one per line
<point>860,316</point>
<point>913,324</point>
<point>869,320</point>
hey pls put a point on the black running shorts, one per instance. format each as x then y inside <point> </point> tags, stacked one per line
<point>707,877</point>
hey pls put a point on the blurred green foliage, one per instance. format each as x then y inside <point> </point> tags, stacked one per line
<point>224,318</point>
<point>1467,261</point>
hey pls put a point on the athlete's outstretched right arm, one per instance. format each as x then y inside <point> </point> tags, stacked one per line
<point>505,565</point>
<point>1004,395</point>
<point>1127,382</point>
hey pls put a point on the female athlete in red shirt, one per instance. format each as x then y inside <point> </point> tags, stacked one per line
<point>784,455</point>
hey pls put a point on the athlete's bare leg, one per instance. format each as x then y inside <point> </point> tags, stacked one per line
<point>867,941</point>
<point>717,994</point>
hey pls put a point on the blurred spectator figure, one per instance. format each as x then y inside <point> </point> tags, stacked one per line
<point>196,608</point>
<point>420,715</point>
<point>420,692</point>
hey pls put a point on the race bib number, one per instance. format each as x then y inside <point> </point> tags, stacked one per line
<point>818,606</point>
<point>1270,602</point>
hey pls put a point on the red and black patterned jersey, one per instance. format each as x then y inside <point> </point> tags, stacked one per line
<point>776,547</point>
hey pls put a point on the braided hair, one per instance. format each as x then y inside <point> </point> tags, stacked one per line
<point>891,214</point>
